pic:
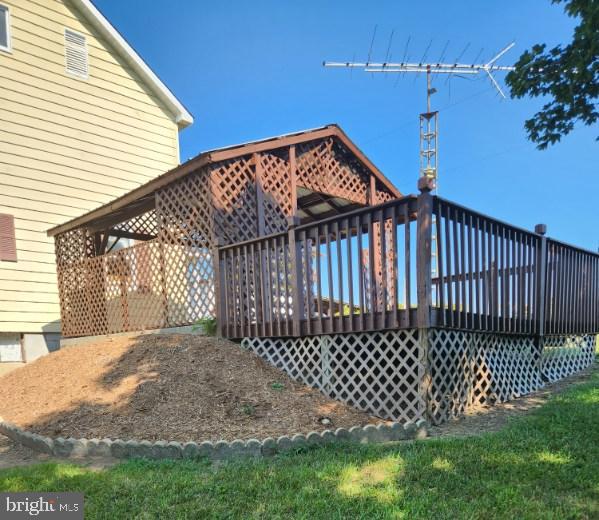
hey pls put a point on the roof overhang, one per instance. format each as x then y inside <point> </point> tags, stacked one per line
<point>182,117</point>
<point>139,196</point>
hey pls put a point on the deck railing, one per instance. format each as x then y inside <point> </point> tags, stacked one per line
<point>571,289</point>
<point>484,272</point>
<point>348,273</point>
<point>413,262</point>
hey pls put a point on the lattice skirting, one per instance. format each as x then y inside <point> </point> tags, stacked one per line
<point>473,368</point>
<point>383,372</point>
<point>378,372</point>
<point>565,355</point>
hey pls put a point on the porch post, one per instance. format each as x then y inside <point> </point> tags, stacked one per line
<point>293,179</point>
<point>261,224</point>
<point>424,283</point>
<point>219,289</point>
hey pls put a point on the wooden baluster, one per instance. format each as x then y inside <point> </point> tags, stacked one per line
<point>350,279</point>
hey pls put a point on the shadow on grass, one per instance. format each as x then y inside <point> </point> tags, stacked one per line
<point>543,466</point>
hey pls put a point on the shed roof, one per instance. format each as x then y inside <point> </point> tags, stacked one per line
<point>140,197</point>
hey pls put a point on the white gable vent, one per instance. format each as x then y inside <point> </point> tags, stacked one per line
<point>75,53</point>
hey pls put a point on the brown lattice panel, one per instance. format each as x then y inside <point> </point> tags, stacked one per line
<point>382,194</point>
<point>275,183</point>
<point>323,166</point>
<point>185,214</point>
<point>144,224</point>
<point>566,355</point>
<point>120,291</point>
<point>234,200</point>
<point>378,372</point>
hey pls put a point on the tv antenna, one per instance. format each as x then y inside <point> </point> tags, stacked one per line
<point>429,120</point>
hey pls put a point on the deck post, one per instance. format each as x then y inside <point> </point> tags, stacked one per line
<point>424,282</point>
<point>259,181</point>
<point>293,179</point>
<point>541,281</point>
<point>297,286</point>
<point>219,288</point>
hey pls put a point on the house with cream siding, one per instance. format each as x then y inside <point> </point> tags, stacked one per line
<point>83,119</point>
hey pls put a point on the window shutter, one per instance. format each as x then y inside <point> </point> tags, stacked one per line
<point>75,53</point>
<point>8,243</point>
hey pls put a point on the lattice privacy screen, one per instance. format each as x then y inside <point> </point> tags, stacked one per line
<point>380,373</point>
<point>122,291</point>
<point>565,355</point>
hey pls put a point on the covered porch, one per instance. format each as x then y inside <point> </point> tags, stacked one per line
<point>146,260</point>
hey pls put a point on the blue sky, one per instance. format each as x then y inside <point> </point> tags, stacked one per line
<point>248,70</point>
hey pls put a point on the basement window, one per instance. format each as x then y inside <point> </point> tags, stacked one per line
<point>4,28</point>
<point>75,47</point>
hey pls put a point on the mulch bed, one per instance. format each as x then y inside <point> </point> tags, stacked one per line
<point>165,387</point>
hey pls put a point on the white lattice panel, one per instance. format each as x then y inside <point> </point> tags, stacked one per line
<point>565,355</point>
<point>378,372</point>
<point>471,368</point>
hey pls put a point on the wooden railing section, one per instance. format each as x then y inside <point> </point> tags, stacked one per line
<point>415,262</point>
<point>348,273</point>
<point>484,272</point>
<point>571,290</point>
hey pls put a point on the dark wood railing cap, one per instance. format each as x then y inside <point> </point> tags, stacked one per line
<point>541,229</point>
<point>426,184</point>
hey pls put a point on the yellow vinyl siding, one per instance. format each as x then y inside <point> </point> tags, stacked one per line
<point>72,196</point>
<point>125,101</point>
<point>48,101</point>
<point>30,119</point>
<point>35,296</point>
<point>67,145</point>
<point>25,287</point>
<point>57,174</point>
<point>69,121</point>
<point>94,158</point>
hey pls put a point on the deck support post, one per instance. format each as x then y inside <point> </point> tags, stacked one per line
<point>293,179</point>
<point>219,288</point>
<point>424,282</point>
<point>297,286</point>
<point>259,181</point>
<point>541,281</point>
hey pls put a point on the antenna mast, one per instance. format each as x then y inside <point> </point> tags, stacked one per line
<point>429,134</point>
<point>429,124</point>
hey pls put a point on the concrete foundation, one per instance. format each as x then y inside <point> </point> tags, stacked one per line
<point>84,340</point>
<point>38,345</point>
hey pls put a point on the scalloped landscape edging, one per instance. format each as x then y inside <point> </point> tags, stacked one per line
<point>215,451</point>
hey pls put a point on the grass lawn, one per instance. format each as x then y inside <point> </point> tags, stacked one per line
<point>545,465</point>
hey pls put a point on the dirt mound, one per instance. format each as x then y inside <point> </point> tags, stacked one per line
<point>171,387</point>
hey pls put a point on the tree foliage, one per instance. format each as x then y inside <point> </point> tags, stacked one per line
<point>567,75</point>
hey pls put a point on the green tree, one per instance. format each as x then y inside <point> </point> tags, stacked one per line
<point>568,76</point>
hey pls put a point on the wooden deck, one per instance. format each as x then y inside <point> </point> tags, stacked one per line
<point>450,266</point>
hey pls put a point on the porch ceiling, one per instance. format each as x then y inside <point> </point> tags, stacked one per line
<point>312,205</point>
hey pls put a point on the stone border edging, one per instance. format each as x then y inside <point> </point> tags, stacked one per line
<point>220,450</point>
